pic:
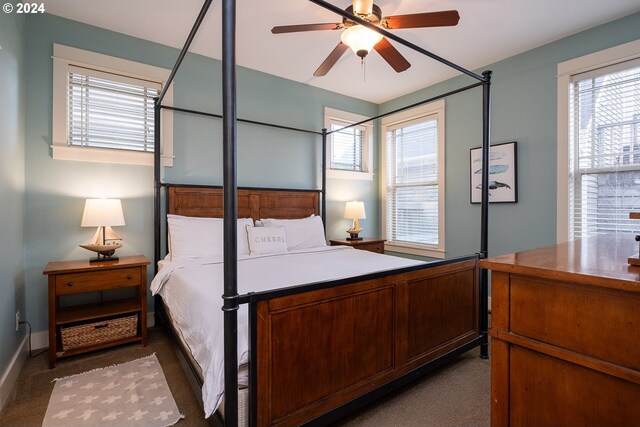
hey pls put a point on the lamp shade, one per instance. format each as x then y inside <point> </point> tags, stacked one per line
<point>354,210</point>
<point>360,39</point>
<point>102,212</point>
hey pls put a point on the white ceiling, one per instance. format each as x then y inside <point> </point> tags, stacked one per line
<point>488,31</point>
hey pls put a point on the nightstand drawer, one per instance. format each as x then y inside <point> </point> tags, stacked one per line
<point>375,247</point>
<point>87,282</point>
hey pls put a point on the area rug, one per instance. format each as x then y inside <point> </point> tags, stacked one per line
<point>130,394</point>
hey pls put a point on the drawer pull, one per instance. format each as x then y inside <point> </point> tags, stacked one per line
<point>129,276</point>
<point>101,326</point>
<point>70,284</point>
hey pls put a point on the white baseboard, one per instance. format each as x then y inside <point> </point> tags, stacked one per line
<point>11,374</point>
<point>39,340</point>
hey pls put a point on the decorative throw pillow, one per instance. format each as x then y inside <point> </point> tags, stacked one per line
<point>243,243</point>
<point>302,233</point>
<point>267,240</point>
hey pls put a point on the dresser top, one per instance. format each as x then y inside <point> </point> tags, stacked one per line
<point>599,261</point>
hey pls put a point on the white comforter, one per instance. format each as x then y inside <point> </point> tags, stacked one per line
<point>192,290</point>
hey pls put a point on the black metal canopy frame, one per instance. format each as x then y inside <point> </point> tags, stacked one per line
<point>231,299</point>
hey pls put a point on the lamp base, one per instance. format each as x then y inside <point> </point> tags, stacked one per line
<point>354,236</point>
<point>103,258</point>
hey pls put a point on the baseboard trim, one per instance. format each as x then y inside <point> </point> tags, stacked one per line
<point>11,373</point>
<point>39,340</point>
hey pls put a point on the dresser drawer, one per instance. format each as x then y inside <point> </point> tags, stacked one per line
<point>94,281</point>
<point>587,320</point>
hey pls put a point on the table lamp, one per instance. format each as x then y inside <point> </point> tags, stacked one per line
<point>354,210</point>
<point>103,213</point>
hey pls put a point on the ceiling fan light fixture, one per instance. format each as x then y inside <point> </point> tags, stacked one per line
<point>360,39</point>
<point>363,7</point>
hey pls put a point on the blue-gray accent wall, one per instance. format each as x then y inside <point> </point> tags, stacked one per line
<point>12,187</point>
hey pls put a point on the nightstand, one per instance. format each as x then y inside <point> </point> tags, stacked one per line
<point>367,243</point>
<point>79,328</point>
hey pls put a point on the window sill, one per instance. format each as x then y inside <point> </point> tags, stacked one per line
<point>340,174</point>
<point>103,155</point>
<point>411,250</point>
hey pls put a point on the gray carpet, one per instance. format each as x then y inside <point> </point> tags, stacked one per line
<point>456,395</point>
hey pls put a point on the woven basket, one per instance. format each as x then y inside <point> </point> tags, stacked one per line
<point>98,332</point>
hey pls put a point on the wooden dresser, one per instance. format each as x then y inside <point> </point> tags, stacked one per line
<point>566,335</point>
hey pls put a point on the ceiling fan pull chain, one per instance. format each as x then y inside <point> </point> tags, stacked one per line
<point>364,70</point>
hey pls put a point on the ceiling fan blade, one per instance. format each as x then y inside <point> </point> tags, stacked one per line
<point>305,27</point>
<point>331,60</point>
<point>392,55</point>
<point>445,18</point>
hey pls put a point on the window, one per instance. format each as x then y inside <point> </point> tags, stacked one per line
<point>103,109</point>
<point>109,111</point>
<point>602,150</point>
<point>346,147</point>
<point>348,150</point>
<point>413,202</point>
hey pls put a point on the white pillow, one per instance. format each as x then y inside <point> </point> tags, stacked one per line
<point>194,237</point>
<point>267,240</point>
<point>301,233</point>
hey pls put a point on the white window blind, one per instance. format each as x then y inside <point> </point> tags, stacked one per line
<point>604,153</point>
<point>412,183</point>
<point>347,147</point>
<point>110,111</point>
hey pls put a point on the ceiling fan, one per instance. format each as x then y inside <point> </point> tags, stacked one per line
<point>362,39</point>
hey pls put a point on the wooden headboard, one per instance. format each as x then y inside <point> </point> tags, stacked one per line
<point>253,203</point>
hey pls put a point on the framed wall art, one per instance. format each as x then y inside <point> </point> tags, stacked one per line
<point>503,183</point>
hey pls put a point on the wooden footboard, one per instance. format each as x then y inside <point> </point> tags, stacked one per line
<point>317,351</point>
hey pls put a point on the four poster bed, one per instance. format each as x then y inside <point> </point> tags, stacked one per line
<point>313,337</point>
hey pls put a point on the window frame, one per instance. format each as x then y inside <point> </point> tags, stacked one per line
<point>344,118</point>
<point>566,70</point>
<point>63,58</point>
<point>426,111</point>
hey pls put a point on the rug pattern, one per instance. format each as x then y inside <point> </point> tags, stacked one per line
<point>132,394</point>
